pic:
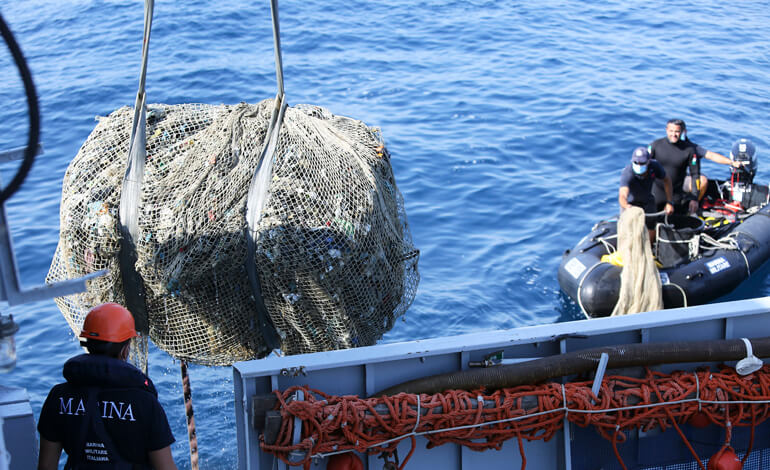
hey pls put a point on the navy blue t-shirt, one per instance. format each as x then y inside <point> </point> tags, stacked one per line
<point>130,411</point>
<point>640,189</point>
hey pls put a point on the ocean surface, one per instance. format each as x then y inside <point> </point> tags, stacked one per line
<point>508,123</point>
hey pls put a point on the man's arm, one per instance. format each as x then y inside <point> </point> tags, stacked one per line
<point>623,197</point>
<point>719,158</point>
<point>161,459</point>
<point>669,188</point>
<point>49,454</point>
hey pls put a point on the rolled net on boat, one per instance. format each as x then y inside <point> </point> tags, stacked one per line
<point>334,253</point>
<point>640,287</point>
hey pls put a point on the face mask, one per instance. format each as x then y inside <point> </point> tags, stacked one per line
<point>639,169</point>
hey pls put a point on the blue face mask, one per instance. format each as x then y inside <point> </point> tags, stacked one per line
<point>639,169</point>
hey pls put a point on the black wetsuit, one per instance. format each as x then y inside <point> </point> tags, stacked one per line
<point>106,415</point>
<point>677,159</point>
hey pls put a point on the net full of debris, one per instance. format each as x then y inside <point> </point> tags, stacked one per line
<point>334,254</point>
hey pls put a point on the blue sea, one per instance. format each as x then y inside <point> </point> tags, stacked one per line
<point>508,123</point>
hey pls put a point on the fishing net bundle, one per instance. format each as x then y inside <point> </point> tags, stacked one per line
<point>640,288</point>
<point>334,254</point>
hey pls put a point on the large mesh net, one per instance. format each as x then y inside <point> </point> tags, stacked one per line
<point>334,254</point>
<point>640,289</point>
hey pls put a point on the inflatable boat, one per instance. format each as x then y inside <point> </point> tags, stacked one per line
<point>700,257</point>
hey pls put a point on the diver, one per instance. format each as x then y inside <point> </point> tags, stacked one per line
<point>679,156</point>
<point>636,181</point>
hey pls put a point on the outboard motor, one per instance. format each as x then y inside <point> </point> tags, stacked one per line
<point>741,179</point>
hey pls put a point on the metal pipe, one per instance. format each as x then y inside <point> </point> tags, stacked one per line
<point>628,355</point>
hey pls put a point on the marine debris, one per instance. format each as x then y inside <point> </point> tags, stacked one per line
<point>334,252</point>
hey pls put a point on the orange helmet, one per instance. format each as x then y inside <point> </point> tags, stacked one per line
<point>109,322</point>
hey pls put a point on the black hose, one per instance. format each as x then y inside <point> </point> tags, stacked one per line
<point>538,370</point>
<point>34,114</point>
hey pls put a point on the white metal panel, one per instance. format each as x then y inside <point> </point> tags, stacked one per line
<point>364,370</point>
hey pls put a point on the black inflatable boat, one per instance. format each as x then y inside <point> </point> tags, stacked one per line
<point>700,258</point>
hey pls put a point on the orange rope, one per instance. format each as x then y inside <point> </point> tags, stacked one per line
<point>480,421</point>
<point>751,438</point>
<point>678,429</point>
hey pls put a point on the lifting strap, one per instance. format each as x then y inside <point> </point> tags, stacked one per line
<point>133,285</point>
<point>258,192</point>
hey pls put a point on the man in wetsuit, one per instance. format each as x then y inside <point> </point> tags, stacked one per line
<point>107,414</point>
<point>679,156</point>
<point>636,181</point>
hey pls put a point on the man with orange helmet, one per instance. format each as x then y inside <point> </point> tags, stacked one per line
<point>107,414</point>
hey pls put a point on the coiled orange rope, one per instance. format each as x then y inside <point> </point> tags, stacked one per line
<point>480,421</point>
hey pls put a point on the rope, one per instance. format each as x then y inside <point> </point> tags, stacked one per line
<point>693,243</point>
<point>745,259</point>
<point>684,294</point>
<point>678,429</point>
<point>607,245</point>
<point>334,424</point>
<point>192,434</point>
<point>728,242</point>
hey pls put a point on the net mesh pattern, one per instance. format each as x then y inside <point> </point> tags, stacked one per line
<point>334,252</point>
<point>759,460</point>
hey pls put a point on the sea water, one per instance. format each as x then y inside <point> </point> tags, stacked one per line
<point>508,123</point>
